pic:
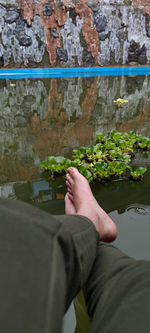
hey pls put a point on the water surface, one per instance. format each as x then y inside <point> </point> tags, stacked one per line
<point>44,117</point>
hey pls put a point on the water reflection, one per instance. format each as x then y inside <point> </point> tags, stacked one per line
<point>133,233</point>
<point>51,116</point>
<point>139,209</point>
<point>125,196</point>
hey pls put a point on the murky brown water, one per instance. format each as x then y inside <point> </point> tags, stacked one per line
<point>44,117</point>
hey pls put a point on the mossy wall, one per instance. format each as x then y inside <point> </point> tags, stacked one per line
<point>74,32</point>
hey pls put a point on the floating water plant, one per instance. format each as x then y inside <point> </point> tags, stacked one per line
<point>120,101</point>
<point>137,174</point>
<point>109,158</point>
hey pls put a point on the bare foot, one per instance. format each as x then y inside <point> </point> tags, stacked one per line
<point>80,200</point>
<point>69,206</point>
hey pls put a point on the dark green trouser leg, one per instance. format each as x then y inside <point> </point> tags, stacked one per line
<point>44,261</point>
<point>118,293</point>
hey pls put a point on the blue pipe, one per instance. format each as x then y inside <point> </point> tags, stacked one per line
<point>32,73</point>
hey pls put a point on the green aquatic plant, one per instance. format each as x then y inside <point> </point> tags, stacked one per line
<point>57,165</point>
<point>144,143</point>
<point>109,158</point>
<point>120,101</point>
<point>138,173</point>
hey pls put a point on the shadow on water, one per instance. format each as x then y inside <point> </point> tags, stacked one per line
<point>44,117</point>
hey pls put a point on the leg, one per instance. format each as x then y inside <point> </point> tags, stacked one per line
<point>82,202</point>
<point>117,292</point>
<point>43,265</point>
<point>46,260</point>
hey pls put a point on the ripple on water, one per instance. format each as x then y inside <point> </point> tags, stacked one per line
<point>139,209</point>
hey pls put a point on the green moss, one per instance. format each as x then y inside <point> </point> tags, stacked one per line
<point>138,45</point>
<point>52,122</point>
<point>121,53</point>
<point>84,45</point>
<point>75,60</point>
<point>84,92</point>
<point>127,2</point>
<point>147,19</point>
<point>61,42</point>
<point>86,84</point>
<point>110,83</point>
<point>112,58</point>
<point>39,41</point>
<point>11,60</point>
<point>113,12</point>
<point>82,96</point>
<point>119,14</point>
<point>46,60</point>
<point>73,116</point>
<point>62,110</point>
<point>12,41</point>
<point>5,47</point>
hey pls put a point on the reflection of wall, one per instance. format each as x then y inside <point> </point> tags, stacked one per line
<point>74,33</point>
<point>39,118</point>
<point>18,103</point>
<point>132,115</point>
<point>34,124</point>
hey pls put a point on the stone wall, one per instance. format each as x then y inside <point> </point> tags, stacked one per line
<point>74,32</point>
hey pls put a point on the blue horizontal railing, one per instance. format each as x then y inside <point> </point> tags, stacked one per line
<point>32,73</point>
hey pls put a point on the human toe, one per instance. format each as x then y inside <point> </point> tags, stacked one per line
<point>69,180</point>
<point>73,172</point>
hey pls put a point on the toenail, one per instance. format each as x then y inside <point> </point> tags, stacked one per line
<point>70,168</point>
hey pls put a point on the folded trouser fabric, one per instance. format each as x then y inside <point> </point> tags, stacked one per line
<point>44,262</point>
<point>117,292</point>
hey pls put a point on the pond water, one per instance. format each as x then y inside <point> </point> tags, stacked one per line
<point>44,117</point>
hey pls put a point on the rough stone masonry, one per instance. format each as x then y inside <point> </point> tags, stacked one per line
<point>64,33</point>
